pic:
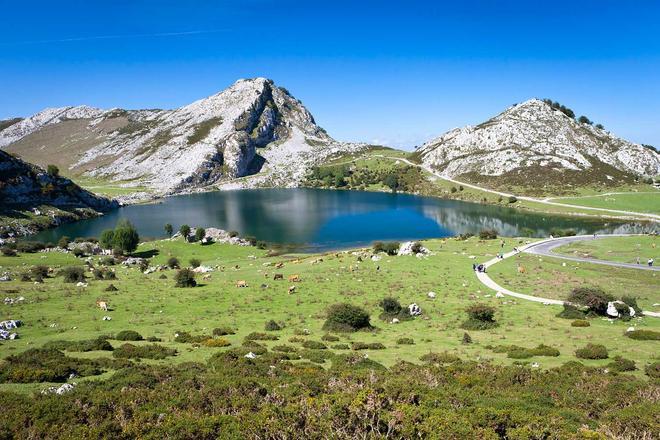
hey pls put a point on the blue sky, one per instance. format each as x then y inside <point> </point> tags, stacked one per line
<point>396,73</point>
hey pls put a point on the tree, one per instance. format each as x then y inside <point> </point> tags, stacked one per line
<point>184,230</point>
<point>53,170</point>
<point>168,229</point>
<point>600,126</point>
<point>200,233</point>
<point>106,239</point>
<point>391,181</point>
<point>125,237</point>
<point>63,242</point>
<point>584,120</point>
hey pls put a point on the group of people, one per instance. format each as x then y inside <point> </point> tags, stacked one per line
<point>478,268</point>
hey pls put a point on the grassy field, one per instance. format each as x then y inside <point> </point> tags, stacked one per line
<point>648,202</point>
<point>154,307</point>
<point>620,249</point>
<point>107,188</point>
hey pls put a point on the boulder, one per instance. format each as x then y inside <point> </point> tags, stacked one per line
<point>431,295</point>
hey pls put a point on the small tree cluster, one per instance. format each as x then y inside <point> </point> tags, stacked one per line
<point>123,238</point>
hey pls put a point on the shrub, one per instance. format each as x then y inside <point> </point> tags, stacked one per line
<point>439,358</point>
<point>390,305</point>
<point>405,341</point>
<point>314,345</point>
<point>571,312</point>
<point>78,252</point>
<point>341,347</point>
<point>217,342</point>
<point>480,317</point>
<point>223,331</point>
<point>63,242</point>
<point>620,364</point>
<point>8,252</point>
<point>257,336</point>
<point>330,338</point>
<point>185,278</point>
<point>53,170</point>
<point>272,326</point>
<point>108,261</point>
<point>467,339</point>
<point>30,247</point>
<point>25,277</point>
<point>233,234</point>
<point>367,346</point>
<point>262,244</point>
<point>168,229</point>
<point>644,335</point>
<point>39,271</point>
<point>488,234</point>
<point>195,262</point>
<point>592,297</point>
<point>389,247</point>
<point>592,351</point>
<point>316,356</point>
<point>73,274</point>
<point>513,199</point>
<point>251,239</point>
<point>652,370</point>
<point>125,237</point>
<point>151,351</point>
<point>111,288</point>
<point>580,323</point>
<point>346,318</point>
<point>128,335</point>
<point>631,301</point>
<point>187,338</point>
<point>44,365</point>
<point>516,352</point>
<point>173,263</point>
<point>285,348</point>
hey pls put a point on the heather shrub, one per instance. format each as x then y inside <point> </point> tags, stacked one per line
<point>592,351</point>
<point>314,345</point>
<point>571,312</point>
<point>128,335</point>
<point>272,326</point>
<point>480,317</point>
<point>185,278</point>
<point>592,297</point>
<point>644,335</point>
<point>223,331</point>
<point>151,351</point>
<point>73,274</point>
<point>580,323</point>
<point>405,341</point>
<point>173,263</point>
<point>257,336</point>
<point>195,262</point>
<point>488,234</point>
<point>329,338</point>
<point>620,365</point>
<point>346,318</point>
<point>217,342</point>
<point>389,247</point>
<point>367,346</point>
<point>439,358</point>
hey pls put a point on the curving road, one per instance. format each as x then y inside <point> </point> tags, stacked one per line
<point>544,247</point>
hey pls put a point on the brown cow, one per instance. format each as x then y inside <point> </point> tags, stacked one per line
<point>241,283</point>
<point>279,265</point>
<point>521,269</point>
<point>292,289</point>
<point>294,278</point>
<point>278,276</point>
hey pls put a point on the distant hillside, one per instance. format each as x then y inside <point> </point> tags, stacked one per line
<point>537,143</point>
<point>253,128</point>
<point>31,198</point>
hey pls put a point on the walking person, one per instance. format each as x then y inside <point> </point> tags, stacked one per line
<point>650,262</point>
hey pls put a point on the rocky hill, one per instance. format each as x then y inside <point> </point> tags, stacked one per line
<point>32,199</point>
<point>534,144</point>
<point>252,128</point>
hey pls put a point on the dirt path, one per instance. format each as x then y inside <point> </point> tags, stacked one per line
<point>544,247</point>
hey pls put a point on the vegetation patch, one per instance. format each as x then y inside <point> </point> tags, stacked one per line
<point>592,351</point>
<point>45,365</point>
<point>128,335</point>
<point>516,352</point>
<point>480,317</point>
<point>346,318</point>
<point>644,335</point>
<point>151,351</point>
<point>367,346</point>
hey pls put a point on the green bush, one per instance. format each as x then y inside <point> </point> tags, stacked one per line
<point>151,351</point>
<point>44,365</point>
<point>439,358</point>
<point>223,331</point>
<point>184,230</point>
<point>592,351</point>
<point>73,274</point>
<point>480,317</point>
<point>39,271</point>
<point>644,335</point>
<point>516,352</point>
<point>185,278</point>
<point>367,346</point>
<point>467,339</point>
<point>488,234</point>
<point>257,336</point>
<point>580,323</point>
<point>346,318</point>
<point>571,312</point>
<point>513,199</point>
<point>405,341</point>
<point>389,247</point>
<point>272,326</point>
<point>125,237</point>
<point>285,348</point>
<point>8,252</point>
<point>173,263</point>
<point>652,370</point>
<point>200,233</point>
<point>329,338</point>
<point>63,242</point>
<point>128,335</point>
<point>195,262</point>
<point>620,365</point>
<point>594,298</point>
<point>187,338</point>
<point>314,345</point>
<point>341,347</point>
<point>217,343</point>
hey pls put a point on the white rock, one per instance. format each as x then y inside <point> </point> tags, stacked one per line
<point>431,295</point>
<point>251,355</point>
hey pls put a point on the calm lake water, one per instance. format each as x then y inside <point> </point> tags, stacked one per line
<point>325,219</point>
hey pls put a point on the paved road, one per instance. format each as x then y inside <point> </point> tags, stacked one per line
<point>546,248</point>
<point>538,249</point>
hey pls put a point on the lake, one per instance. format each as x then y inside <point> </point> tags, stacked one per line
<point>326,219</point>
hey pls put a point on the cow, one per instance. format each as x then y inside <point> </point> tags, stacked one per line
<point>521,269</point>
<point>294,278</point>
<point>292,289</point>
<point>278,276</point>
<point>206,277</point>
<point>279,265</point>
<point>241,283</point>
<point>102,305</point>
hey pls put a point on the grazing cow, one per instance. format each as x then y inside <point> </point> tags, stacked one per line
<point>278,276</point>
<point>237,267</point>
<point>292,289</point>
<point>102,305</point>
<point>241,283</point>
<point>279,265</point>
<point>206,277</point>
<point>521,269</point>
<point>294,278</point>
